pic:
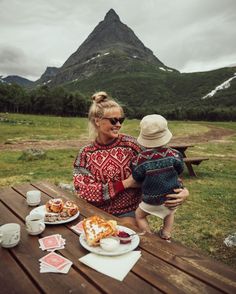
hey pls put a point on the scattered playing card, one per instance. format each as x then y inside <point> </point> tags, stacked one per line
<point>53,260</point>
<point>54,263</point>
<point>46,269</point>
<point>78,228</point>
<point>51,243</point>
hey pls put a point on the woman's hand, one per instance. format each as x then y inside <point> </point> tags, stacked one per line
<point>177,199</point>
<point>130,183</point>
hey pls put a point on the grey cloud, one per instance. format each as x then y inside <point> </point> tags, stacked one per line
<point>13,61</point>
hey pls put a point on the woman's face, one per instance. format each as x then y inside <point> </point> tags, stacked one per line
<point>107,131</point>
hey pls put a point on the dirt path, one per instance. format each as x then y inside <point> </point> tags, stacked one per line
<point>214,134</point>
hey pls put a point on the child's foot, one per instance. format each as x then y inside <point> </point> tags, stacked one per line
<point>165,235</point>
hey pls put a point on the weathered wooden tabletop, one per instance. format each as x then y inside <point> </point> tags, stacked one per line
<point>163,267</point>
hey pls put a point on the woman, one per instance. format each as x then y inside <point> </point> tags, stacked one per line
<point>102,174</point>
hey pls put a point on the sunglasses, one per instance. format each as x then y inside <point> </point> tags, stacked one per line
<point>115,120</point>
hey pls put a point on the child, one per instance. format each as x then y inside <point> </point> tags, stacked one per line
<point>158,168</point>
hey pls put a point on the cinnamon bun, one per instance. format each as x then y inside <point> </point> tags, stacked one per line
<point>54,205</point>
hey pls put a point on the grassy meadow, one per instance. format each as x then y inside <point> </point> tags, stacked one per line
<point>202,223</point>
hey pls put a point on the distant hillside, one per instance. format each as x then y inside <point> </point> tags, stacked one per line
<point>17,80</point>
<point>143,93</point>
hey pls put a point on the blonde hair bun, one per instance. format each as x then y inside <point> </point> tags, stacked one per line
<point>99,97</point>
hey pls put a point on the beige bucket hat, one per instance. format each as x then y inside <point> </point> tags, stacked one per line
<point>154,131</point>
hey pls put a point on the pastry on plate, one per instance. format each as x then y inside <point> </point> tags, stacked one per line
<point>70,208</point>
<point>96,228</point>
<point>54,205</point>
<point>55,217</point>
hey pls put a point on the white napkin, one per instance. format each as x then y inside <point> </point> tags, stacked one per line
<point>116,267</point>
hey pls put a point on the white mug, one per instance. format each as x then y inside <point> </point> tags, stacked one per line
<point>33,197</point>
<point>9,235</point>
<point>35,223</point>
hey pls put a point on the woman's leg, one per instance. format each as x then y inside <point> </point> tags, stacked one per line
<point>141,218</point>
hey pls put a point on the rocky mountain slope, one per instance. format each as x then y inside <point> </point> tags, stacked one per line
<point>111,47</point>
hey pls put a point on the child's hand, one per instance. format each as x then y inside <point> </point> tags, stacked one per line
<point>177,199</point>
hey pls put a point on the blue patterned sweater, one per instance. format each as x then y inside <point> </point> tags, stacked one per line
<point>158,169</point>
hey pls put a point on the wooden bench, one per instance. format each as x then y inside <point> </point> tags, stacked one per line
<point>189,161</point>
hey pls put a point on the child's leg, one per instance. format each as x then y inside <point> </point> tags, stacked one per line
<point>141,219</point>
<point>168,225</point>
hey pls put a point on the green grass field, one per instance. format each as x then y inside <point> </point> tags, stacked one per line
<point>202,223</point>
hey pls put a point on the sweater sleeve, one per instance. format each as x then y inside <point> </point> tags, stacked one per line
<point>179,163</point>
<point>88,187</point>
<point>137,171</point>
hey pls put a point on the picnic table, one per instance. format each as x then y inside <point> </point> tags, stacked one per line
<point>189,161</point>
<point>163,267</point>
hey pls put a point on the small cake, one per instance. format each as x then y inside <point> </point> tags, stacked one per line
<point>54,205</point>
<point>70,208</point>
<point>49,217</point>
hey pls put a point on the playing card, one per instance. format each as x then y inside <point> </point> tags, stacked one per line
<point>64,270</point>
<point>57,248</point>
<point>54,260</point>
<point>51,243</point>
<point>78,228</point>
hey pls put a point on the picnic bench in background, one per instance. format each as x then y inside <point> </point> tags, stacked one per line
<point>163,267</point>
<point>189,161</point>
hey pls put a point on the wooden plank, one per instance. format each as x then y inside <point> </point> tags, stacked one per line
<point>180,145</point>
<point>191,262</point>
<point>194,263</point>
<point>12,278</point>
<point>195,160</point>
<point>169,278</point>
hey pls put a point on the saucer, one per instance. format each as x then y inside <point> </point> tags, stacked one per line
<point>34,233</point>
<point>10,245</point>
<point>33,204</point>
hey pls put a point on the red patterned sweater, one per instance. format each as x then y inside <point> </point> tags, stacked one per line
<point>99,170</point>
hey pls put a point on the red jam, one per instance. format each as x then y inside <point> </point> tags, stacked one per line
<point>122,236</point>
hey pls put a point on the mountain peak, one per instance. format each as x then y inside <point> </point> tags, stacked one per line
<point>111,46</point>
<point>111,16</point>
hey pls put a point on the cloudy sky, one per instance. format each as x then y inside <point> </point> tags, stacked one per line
<point>189,35</point>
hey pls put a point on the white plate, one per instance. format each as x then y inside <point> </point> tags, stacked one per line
<point>42,210</point>
<point>122,249</point>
